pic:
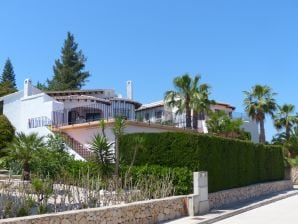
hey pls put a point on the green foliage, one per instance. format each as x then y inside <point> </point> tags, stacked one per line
<point>103,156</point>
<point>8,73</point>
<point>6,88</point>
<point>52,160</point>
<point>6,132</point>
<point>220,123</point>
<point>77,168</point>
<point>7,80</point>
<point>182,177</point>
<point>285,119</point>
<point>230,163</point>
<point>187,96</point>
<point>23,149</point>
<point>258,102</point>
<point>118,131</point>
<point>68,72</point>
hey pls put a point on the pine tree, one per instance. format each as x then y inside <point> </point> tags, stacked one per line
<point>8,81</point>
<point>68,72</point>
<point>8,74</point>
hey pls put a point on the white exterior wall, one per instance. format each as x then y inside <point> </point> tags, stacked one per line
<point>84,135</point>
<point>221,107</point>
<point>20,109</point>
<point>251,127</point>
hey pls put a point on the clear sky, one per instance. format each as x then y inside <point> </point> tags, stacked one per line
<point>233,44</point>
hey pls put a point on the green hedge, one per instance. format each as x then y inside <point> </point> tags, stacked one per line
<point>181,176</point>
<point>230,163</point>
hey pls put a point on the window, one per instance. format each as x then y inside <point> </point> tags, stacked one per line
<point>158,114</point>
<point>201,116</point>
<point>1,107</point>
<point>122,112</point>
<point>147,116</point>
<point>93,116</point>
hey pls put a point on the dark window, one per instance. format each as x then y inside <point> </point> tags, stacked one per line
<point>93,116</point>
<point>158,114</point>
<point>122,112</point>
<point>1,107</point>
<point>147,116</point>
<point>201,116</point>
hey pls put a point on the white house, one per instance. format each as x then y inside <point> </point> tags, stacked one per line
<point>158,112</point>
<point>75,114</point>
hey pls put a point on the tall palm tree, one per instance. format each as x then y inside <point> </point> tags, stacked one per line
<point>200,103</point>
<point>284,119</point>
<point>258,102</point>
<point>187,96</point>
<point>181,97</point>
<point>23,148</point>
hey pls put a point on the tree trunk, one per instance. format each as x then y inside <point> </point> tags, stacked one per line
<point>195,117</point>
<point>117,157</point>
<point>188,113</point>
<point>26,171</point>
<point>262,132</point>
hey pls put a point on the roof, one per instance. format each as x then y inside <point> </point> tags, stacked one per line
<point>81,97</point>
<point>161,103</point>
<point>75,92</point>
<point>151,105</point>
<point>11,94</point>
<point>137,104</point>
<point>226,105</point>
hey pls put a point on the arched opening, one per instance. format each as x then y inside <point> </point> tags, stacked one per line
<point>84,114</point>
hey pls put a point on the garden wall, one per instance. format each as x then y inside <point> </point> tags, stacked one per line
<point>294,175</point>
<point>225,197</point>
<point>152,211</point>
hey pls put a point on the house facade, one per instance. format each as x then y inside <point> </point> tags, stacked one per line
<point>75,115</point>
<point>158,112</point>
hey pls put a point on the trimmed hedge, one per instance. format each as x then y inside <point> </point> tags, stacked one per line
<point>181,176</point>
<point>230,163</point>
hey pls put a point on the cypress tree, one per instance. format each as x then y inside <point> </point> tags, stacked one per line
<point>8,74</point>
<point>69,71</point>
<point>8,81</point>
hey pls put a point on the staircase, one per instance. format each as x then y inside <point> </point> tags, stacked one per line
<point>76,146</point>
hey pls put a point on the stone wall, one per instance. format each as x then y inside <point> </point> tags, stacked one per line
<point>152,211</point>
<point>294,175</point>
<point>225,197</point>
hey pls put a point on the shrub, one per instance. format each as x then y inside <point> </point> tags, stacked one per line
<point>182,177</point>
<point>6,131</point>
<point>230,163</point>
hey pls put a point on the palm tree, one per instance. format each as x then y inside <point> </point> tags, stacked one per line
<point>187,96</point>
<point>285,120</point>
<point>258,102</point>
<point>118,131</point>
<point>102,154</point>
<point>23,148</point>
<point>200,102</point>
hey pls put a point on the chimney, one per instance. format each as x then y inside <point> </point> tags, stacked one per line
<point>129,90</point>
<point>27,88</point>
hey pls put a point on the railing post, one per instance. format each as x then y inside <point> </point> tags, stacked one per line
<point>198,202</point>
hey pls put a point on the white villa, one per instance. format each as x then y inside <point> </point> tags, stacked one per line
<point>75,114</point>
<point>158,112</point>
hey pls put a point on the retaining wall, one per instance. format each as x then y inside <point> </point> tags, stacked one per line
<point>220,198</point>
<point>294,175</point>
<point>152,211</point>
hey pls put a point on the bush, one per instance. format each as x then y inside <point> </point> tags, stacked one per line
<point>6,131</point>
<point>230,163</point>
<point>182,177</point>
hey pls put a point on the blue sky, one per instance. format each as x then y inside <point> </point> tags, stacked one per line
<point>233,44</point>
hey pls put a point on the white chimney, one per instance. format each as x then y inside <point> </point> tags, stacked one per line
<point>129,90</point>
<point>27,88</point>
